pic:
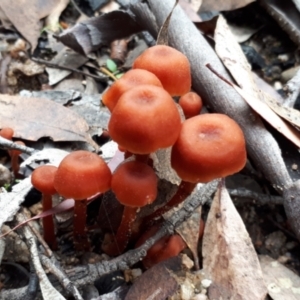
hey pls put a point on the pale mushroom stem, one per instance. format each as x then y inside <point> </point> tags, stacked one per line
<point>48,224</point>
<point>81,241</point>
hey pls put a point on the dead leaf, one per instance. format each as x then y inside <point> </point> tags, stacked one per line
<point>189,231</point>
<point>25,20</point>
<point>236,62</point>
<point>25,16</point>
<point>281,282</point>
<point>156,283</point>
<point>34,118</point>
<point>229,258</point>
<point>209,5</point>
<point>65,58</point>
<point>162,37</point>
<point>93,33</point>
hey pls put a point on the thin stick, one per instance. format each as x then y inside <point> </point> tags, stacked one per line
<point>52,65</point>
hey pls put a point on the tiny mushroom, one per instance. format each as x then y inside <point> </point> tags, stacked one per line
<point>129,80</point>
<point>7,133</point>
<point>80,175</point>
<point>170,66</point>
<point>135,185</point>
<point>42,179</point>
<point>209,146</point>
<point>144,120</point>
<point>165,248</point>
<point>191,104</point>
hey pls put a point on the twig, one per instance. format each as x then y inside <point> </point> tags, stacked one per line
<point>260,198</point>
<point>52,65</point>
<point>48,291</point>
<point>9,145</point>
<point>55,269</point>
<point>292,89</point>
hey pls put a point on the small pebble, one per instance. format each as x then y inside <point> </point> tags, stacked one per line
<point>200,297</point>
<point>206,283</point>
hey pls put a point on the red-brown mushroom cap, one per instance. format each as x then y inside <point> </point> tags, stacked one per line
<point>144,120</point>
<point>82,174</point>
<point>191,104</point>
<point>165,248</point>
<point>7,133</point>
<point>209,146</point>
<point>170,66</point>
<point>42,179</point>
<point>134,184</point>
<point>129,80</point>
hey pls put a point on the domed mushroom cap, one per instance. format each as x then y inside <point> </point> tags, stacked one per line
<point>82,174</point>
<point>134,184</point>
<point>42,179</point>
<point>129,80</point>
<point>144,120</point>
<point>191,104</point>
<point>170,66</point>
<point>209,146</point>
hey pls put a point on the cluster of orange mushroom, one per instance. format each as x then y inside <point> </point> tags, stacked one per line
<point>145,118</point>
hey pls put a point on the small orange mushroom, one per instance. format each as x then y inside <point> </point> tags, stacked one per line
<point>80,175</point>
<point>135,185</point>
<point>165,248</point>
<point>144,120</point>
<point>170,66</point>
<point>7,133</point>
<point>191,104</point>
<point>42,179</point>
<point>129,80</point>
<point>209,146</point>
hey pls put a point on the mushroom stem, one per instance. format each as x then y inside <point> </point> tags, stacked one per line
<point>48,224</point>
<point>80,237</point>
<point>118,245</point>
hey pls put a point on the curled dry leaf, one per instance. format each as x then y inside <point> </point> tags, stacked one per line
<point>229,258</point>
<point>33,118</point>
<point>93,33</point>
<point>236,62</point>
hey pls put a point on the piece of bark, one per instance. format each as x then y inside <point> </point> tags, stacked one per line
<point>220,97</point>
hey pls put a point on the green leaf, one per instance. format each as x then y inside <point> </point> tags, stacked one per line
<point>119,75</point>
<point>111,65</point>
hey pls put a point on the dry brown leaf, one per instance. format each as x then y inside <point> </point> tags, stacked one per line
<point>290,114</point>
<point>33,118</point>
<point>156,283</point>
<point>25,16</point>
<point>281,282</point>
<point>234,59</point>
<point>229,258</point>
<point>208,5</point>
<point>189,231</point>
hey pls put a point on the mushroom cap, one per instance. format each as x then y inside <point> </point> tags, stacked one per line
<point>42,179</point>
<point>170,66</point>
<point>209,146</point>
<point>134,184</point>
<point>165,248</point>
<point>144,120</point>
<point>129,80</point>
<point>82,174</point>
<point>191,104</point>
<point>7,133</point>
